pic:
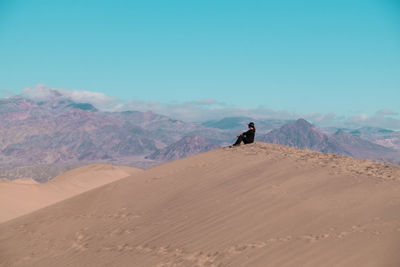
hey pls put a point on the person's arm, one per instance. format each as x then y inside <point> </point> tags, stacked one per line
<point>241,134</point>
<point>244,134</point>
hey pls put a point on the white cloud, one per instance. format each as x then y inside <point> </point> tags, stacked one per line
<point>6,93</point>
<point>358,118</point>
<point>196,111</point>
<point>380,119</point>
<point>211,109</point>
<point>386,112</point>
<point>199,111</point>
<point>100,100</point>
<point>41,92</point>
<point>202,111</point>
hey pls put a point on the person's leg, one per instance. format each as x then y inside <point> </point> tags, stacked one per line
<point>238,141</point>
<point>246,141</point>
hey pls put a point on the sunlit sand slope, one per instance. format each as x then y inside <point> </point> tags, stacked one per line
<point>22,196</point>
<point>255,205</point>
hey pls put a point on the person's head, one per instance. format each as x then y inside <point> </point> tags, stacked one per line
<point>251,125</point>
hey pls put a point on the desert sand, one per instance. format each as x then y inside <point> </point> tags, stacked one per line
<point>25,195</point>
<point>254,205</point>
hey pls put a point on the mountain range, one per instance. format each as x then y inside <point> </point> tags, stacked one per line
<point>59,132</point>
<point>187,146</point>
<point>302,134</point>
<point>41,138</point>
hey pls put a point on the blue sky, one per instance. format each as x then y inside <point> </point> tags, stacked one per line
<point>291,56</point>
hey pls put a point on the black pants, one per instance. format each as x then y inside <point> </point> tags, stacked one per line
<point>240,139</point>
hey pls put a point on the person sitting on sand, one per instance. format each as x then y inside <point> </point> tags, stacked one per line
<point>246,137</point>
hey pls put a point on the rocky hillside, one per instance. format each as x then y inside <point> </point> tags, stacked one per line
<point>59,132</point>
<point>383,137</point>
<point>187,146</point>
<point>302,134</point>
<point>42,138</point>
<point>360,148</point>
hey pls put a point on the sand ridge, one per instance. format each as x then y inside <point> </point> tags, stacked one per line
<point>339,164</point>
<point>21,196</point>
<point>19,181</point>
<point>254,205</point>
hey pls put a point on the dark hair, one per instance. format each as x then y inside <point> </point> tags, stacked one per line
<point>251,124</point>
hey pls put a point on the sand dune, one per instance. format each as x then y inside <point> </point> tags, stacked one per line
<point>255,205</point>
<point>19,181</point>
<point>25,195</point>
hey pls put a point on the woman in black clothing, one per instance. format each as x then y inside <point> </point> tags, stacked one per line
<point>246,137</point>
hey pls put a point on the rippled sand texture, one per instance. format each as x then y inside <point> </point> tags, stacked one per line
<point>22,196</point>
<point>254,205</point>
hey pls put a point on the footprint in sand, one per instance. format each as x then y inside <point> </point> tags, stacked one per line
<point>162,251</point>
<point>201,259</point>
<point>237,249</point>
<point>124,247</point>
<point>144,249</point>
<point>343,234</point>
<point>79,242</point>
<point>315,238</point>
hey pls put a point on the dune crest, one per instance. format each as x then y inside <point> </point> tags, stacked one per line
<point>21,196</point>
<point>19,181</point>
<point>254,205</point>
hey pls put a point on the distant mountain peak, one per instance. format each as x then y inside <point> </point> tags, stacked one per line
<point>83,106</point>
<point>341,132</point>
<point>302,134</point>
<point>303,123</point>
<point>344,137</point>
<point>299,126</point>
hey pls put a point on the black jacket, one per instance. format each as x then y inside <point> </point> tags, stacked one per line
<point>248,137</point>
